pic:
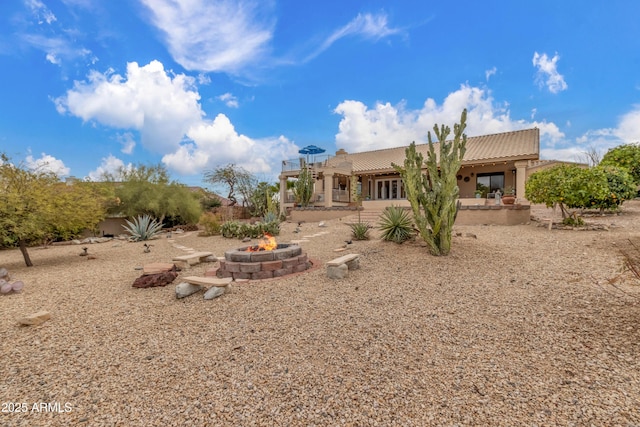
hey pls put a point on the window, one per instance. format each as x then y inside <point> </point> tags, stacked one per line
<point>489,182</point>
<point>390,189</point>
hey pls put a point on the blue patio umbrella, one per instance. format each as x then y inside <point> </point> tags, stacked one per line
<point>311,149</point>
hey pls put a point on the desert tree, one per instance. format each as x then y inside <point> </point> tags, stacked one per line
<point>625,156</point>
<point>569,187</point>
<point>433,196</point>
<point>36,205</point>
<point>236,179</point>
<point>591,156</point>
<point>148,190</point>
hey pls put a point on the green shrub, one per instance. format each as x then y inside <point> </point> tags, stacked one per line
<point>143,228</point>
<point>211,224</point>
<point>574,221</point>
<point>240,230</point>
<point>396,225</point>
<point>625,156</point>
<point>621,188</point>
<point>271,227</point>
<point>360,230</point>
<point>230,229</point>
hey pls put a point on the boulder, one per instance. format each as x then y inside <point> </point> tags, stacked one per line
<point>214,292</point>
<point>153,280</point>
<point>337,272</point>
<point>186,289</point>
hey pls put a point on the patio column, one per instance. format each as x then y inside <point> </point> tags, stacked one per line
<point>283,193</point>
<point>328,189</point>
<point>521,176</point>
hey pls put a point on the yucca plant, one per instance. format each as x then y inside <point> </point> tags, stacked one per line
<point>143,227</point>
<point>360,230</point>
<point>396,224</point>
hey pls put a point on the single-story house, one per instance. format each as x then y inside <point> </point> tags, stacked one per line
<point>491,163</point>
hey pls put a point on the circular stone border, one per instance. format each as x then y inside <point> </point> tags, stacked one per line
<point>241,254</point>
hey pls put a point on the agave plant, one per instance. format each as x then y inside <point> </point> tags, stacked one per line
<point>396,224</point>
<point>270,217</point>
<point>360,230</point>
<point>143,227</point>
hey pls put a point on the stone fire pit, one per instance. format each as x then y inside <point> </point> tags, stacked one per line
<point>264,264</point>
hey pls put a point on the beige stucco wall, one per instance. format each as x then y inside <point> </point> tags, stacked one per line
<point>494,215</point>
<point>108,226</point>
<point>315,215</point>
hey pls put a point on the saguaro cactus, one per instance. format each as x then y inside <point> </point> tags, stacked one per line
<point>433,196</point>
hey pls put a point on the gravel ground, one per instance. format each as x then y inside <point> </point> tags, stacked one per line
<point>517,326</point>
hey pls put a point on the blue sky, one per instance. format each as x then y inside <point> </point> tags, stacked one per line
<point>90,85</point>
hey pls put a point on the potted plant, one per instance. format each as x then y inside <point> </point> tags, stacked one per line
<point>478,194</point>
<point>509,196</point>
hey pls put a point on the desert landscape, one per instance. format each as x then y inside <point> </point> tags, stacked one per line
<point>519,325</point>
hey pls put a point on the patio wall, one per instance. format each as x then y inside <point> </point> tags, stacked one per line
<point>321,214</point>
<point>493,215</point>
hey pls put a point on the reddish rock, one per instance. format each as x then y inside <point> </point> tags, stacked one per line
<point>153,280</point>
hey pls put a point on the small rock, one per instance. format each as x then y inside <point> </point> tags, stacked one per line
<point>322,224</point>
<point>214,292</point>
<point>4,273</point>
<point>5,287</point>
<point>473,236</point>
<point>35,318</point>
<point>337,272</point>
<point>186,289</point>
<point>246,239</point>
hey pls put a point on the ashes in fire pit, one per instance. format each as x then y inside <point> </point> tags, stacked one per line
<point>257,262</point>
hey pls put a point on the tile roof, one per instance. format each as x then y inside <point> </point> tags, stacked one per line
<point>515,145</point>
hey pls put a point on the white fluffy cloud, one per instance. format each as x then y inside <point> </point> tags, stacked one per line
<point>215,35</point>
<point>547,74</point>
<point>110,165</point>
<point>166,111</point>
<point>386,125</point>
<point>628,129</point>
<point>217,142</point>
<point>47,163</point>
<point>162,107</point>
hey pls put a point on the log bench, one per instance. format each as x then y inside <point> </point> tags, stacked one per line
<point>339,268</point>
<point>192,259</point>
